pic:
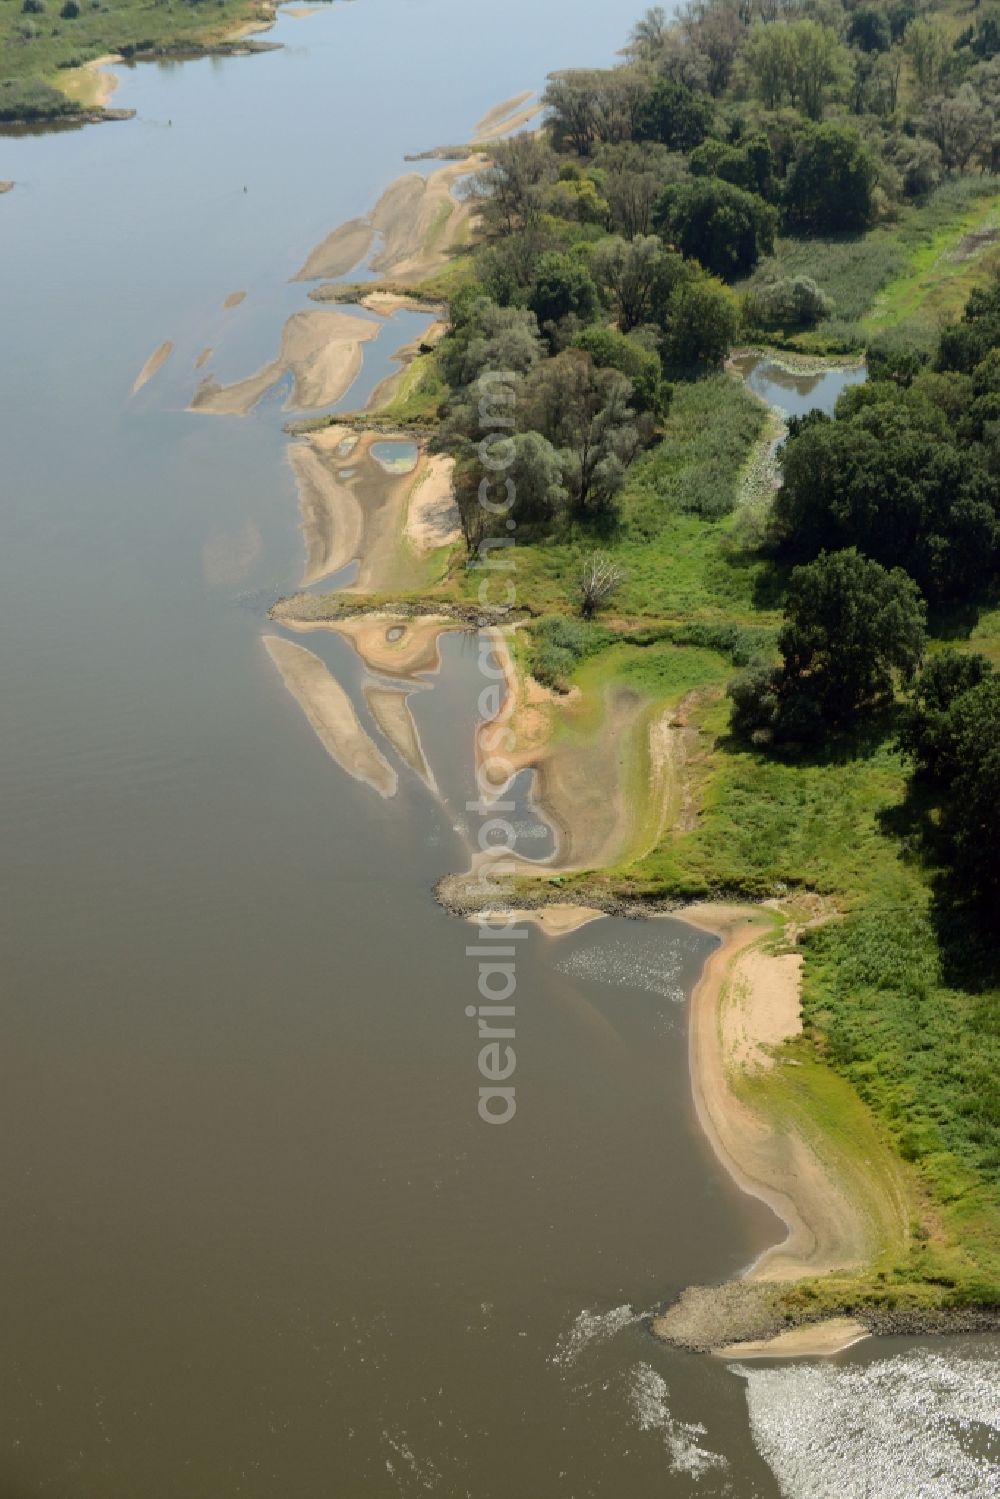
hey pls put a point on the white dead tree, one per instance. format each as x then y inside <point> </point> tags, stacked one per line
<point>598,581</point>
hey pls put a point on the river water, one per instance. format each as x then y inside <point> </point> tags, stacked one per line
<point>256,1240</point>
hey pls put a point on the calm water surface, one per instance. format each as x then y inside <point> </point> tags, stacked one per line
<point>256,1241</point>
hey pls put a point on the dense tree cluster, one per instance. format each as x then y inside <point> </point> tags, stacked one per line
<point>952,732</point>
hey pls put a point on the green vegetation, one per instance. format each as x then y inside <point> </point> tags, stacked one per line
<point>816,648</point>
<point>42,41</point>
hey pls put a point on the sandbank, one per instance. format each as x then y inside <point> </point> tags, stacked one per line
<point>321,350</point>
<point>816,1340</point>
<point>331,714</point>
<point>155,362</point>
<point>5,187</point>
<point>554,920</point>
<point>418,221</point>
<point>390,708</point>
<point>332,521</point>
<point>390,644</point>
<point>203,358</point>
<point>234,299</point>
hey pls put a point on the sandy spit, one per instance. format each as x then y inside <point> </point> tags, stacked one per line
<point>746,1002</point>
<point>155,362</point>
<point>820,1340</point>
<point>322,352</point>
<point>496,118</point>
<point>553,920</point>
<point>390,708</point>
<point>331,713</point>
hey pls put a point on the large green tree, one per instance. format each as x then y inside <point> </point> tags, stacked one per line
<point>830,182</point>
<point>852,631</point>
<point>723,227</point>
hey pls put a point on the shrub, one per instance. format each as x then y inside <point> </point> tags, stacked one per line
<point>791,302</point>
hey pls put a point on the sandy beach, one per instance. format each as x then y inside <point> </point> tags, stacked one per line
<point>744,1002</point>
<point>432,518</point>
<point>153,364</point>
<point>321,351</point>
<point>331,714</point>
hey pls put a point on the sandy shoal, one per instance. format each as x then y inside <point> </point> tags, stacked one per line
<point>746,1002</point>
<point>203,358</point>
<point>155,362</point>
<point>322,350</point>
<point>340,252</point>
<point>818,1340</point>
<point>432,518</point>
<point>390,708</point>
<point>331,714</point>
<point>332,521</point>
<point>418,222</point>
<point>234,299</point>
<point>6,187</point>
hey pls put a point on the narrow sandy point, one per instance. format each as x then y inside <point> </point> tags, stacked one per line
<point>745,1003</point>
<point>508,116</point>
<point>332,520</point>
<point>390,708</point>
<point>203,358</point>
<point>340,252</point>
<point>331,713</point>
<point>432,518</point>
<point>554,921</point>
<point>321,351</point>
<point>155,362</point>
<point>234,299</point>
<point>300,11</point>
<point>820,1340</point>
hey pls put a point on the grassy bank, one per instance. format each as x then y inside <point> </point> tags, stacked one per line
<point>43,51</point>
<point>903,278</point>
